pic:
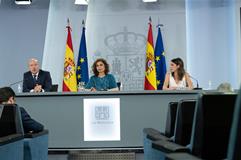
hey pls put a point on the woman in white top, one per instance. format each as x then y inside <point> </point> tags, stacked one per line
<point>177,78</point>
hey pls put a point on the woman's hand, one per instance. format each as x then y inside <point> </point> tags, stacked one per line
<point>172,88</point>
<point>113,89</point>
<point>93,89</point>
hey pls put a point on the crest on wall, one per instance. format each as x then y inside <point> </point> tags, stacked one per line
<point>126,56</point>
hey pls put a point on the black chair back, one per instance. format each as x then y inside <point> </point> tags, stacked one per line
<point>212,124</point>
<point>54,88</point>
<point>171,118</point>
<point>184,121</point>
<point>234,146</point>
<point>10,120</point>
<point>118,85</point>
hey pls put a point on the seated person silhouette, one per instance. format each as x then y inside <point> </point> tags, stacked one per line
<point>225,87</point>
<point>7,96</point>
<point>177,78</point>
<point>36,80</point>
<point>102,80</point>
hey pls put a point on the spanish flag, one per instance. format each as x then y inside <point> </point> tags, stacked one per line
<point>150,74</point>
<point>69,82</point>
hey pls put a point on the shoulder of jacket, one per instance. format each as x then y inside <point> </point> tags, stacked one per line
<point>110,75</point>
<point>93,77</point>
<point>43,71</point>
<point>26,73</point>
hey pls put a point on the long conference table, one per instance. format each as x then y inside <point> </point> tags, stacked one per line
<point>63,115</point>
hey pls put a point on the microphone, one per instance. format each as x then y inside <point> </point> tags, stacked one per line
<point>196,88</point>
<point>11,84</point>
<point>19,88</point>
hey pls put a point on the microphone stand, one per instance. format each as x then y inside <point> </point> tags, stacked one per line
<point>15,83</point>
<point>196,88</point>
<point>19,88</point>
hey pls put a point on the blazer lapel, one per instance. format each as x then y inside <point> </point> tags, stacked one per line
<point>30,80</point>
<point>40,75</point>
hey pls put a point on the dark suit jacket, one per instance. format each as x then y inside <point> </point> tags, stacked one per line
<point>44,79</point>
<point>30,124</point>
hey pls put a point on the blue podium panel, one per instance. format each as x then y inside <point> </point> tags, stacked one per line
<point>12,150</point>
<point>36,148</point>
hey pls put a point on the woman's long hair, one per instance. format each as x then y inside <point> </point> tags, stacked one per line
<point>94,69</point>
<point>180,71</point>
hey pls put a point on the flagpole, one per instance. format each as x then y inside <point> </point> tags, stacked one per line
<point>150,19</point>
<point>68,24</point>
<point>159,25</point>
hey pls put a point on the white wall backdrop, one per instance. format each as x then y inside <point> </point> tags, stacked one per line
<point>107,20</point>
<point>117,31</point>
<point>206,34</point>
<point>238,37</point>
<point>212,46</point>
<point>55,41</point>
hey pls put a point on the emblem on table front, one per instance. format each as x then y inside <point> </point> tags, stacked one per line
<point>102,113</point>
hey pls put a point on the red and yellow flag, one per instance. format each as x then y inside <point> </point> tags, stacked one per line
<point>150,73</point>
<point>69,82</point>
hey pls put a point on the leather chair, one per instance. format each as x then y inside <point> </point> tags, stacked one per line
<point>182,132</point>
<point>11,133</point>
<point>54,88</point>
<point>212,126</point>
<point>234,146</point>
<point>184,121</point>
<point>171,119</point>
<point>153,134</point>
<point>210,131</point>
<point>150,134</point>
<point>182,125</point>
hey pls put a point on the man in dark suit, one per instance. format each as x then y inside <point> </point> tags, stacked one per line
<point>7,96</point>
<point>36,80</point>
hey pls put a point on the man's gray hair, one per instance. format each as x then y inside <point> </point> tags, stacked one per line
<point>225,87</point>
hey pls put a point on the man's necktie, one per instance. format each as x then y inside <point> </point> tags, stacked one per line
<point>35,78</point>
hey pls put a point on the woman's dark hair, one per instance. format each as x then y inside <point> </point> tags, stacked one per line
<point>94,69</point>
<point>180,71</point>
<point>5,94</point>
